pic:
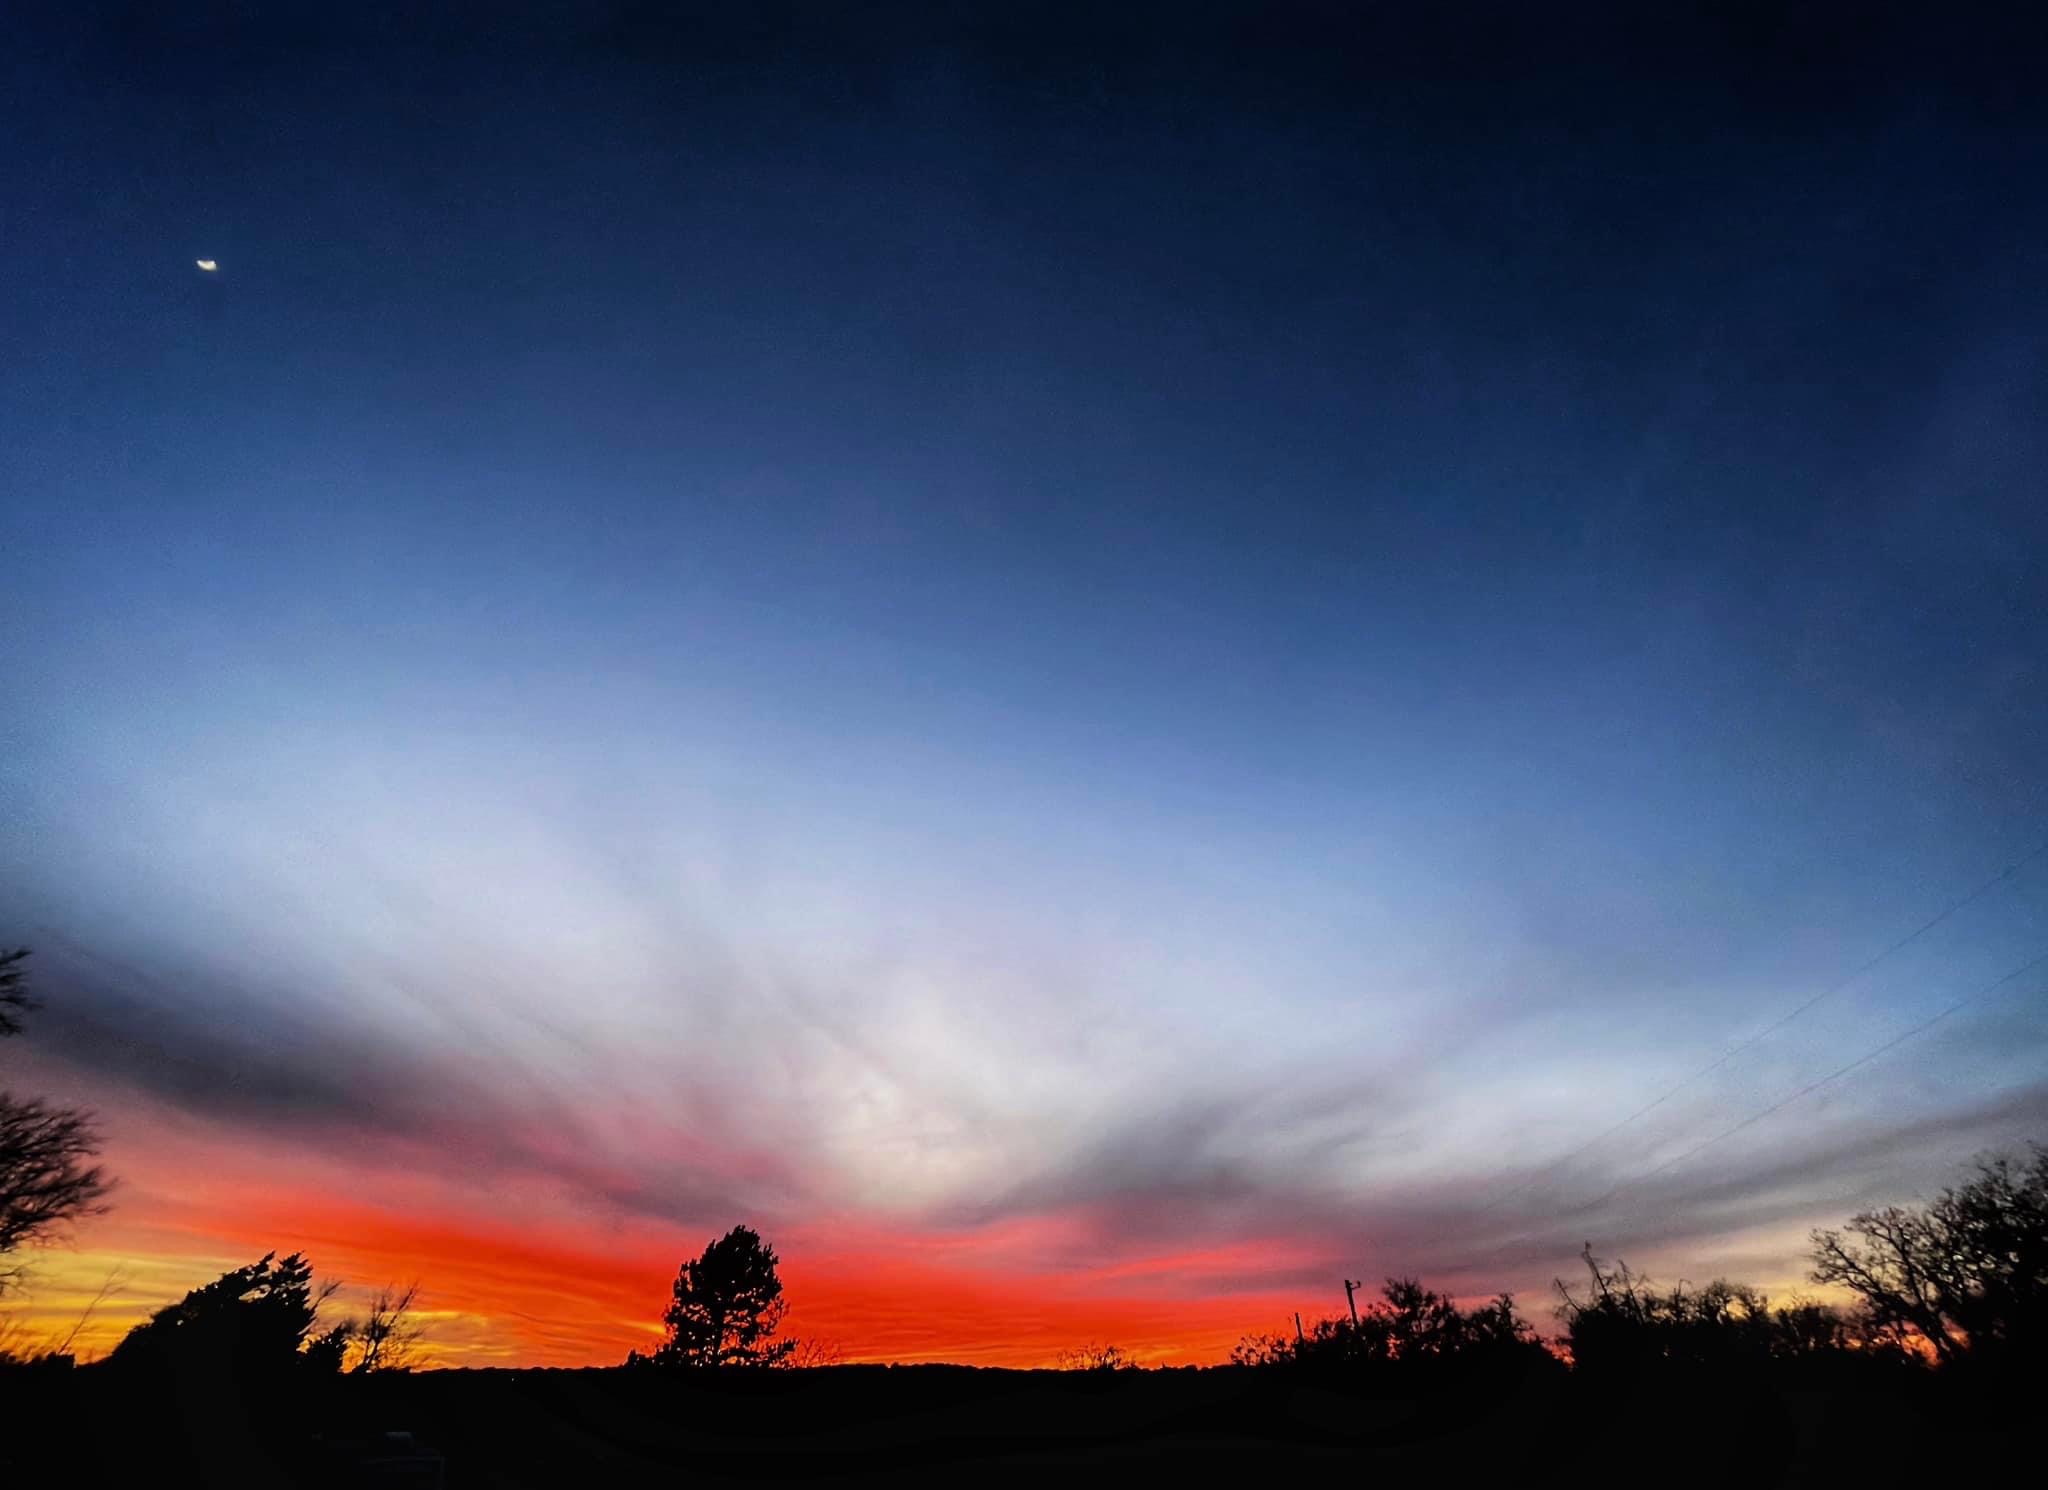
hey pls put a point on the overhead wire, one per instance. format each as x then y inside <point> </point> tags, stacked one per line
<point>1979,892</point>
<point>1818,1082</point>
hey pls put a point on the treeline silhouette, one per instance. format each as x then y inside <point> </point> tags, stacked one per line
<point>1923,1370</point>
<point>1410,1334</point>
<point>1963,1280</point>
<point>1960,1283</point>
<point>250,1379</point>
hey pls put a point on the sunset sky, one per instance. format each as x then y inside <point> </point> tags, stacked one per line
<point>1098,672</point>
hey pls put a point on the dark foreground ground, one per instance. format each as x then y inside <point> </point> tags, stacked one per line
<point>955,1426</point>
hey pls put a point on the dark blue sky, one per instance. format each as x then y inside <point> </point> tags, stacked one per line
<point>1116,566</point>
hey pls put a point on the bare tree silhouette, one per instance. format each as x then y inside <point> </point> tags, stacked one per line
<point>47,1177</point>
<point>388,1335</point>
<point>809,1353</point>
<point>1965,1276</point>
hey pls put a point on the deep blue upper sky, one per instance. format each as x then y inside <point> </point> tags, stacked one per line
<point>1147,557</point>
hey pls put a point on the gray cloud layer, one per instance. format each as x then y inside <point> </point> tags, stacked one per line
<point>1318,1161</point>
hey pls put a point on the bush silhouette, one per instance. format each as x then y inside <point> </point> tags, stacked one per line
<point>253,1321</point>
<point>1623,1324</point>
<point>1410,1337</point>
<point>1094,1357</point>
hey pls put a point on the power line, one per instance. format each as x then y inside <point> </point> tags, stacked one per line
<point>1733,1051</point>
<point>1815,1085</point>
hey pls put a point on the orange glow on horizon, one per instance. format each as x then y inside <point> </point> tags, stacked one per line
<point>514,1274</point>
<point>518,1271</point>
<point>552,1297</point>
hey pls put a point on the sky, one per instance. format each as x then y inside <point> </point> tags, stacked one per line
<point>1099,669</point>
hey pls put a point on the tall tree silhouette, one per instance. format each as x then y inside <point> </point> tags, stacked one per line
<point>1967,1274</point>
<point>47,1177</point>
<point>727,1307</point>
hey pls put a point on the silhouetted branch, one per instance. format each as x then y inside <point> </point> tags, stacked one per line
<point>14,995</point>
<point>388,1335</point>
<point>46,1178</point>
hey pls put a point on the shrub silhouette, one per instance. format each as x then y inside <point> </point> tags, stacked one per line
<point>1965,1277</point>
<point>254,1320</point>
<point>809,1353</point>
<point>726,1308</point>
<point>1094,1357</point>
<point>1411,1336</point>
<point>1625,1324</point>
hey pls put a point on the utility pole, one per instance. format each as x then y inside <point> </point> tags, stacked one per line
<point>1297,1327</point>
<point>1351,1299</point>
